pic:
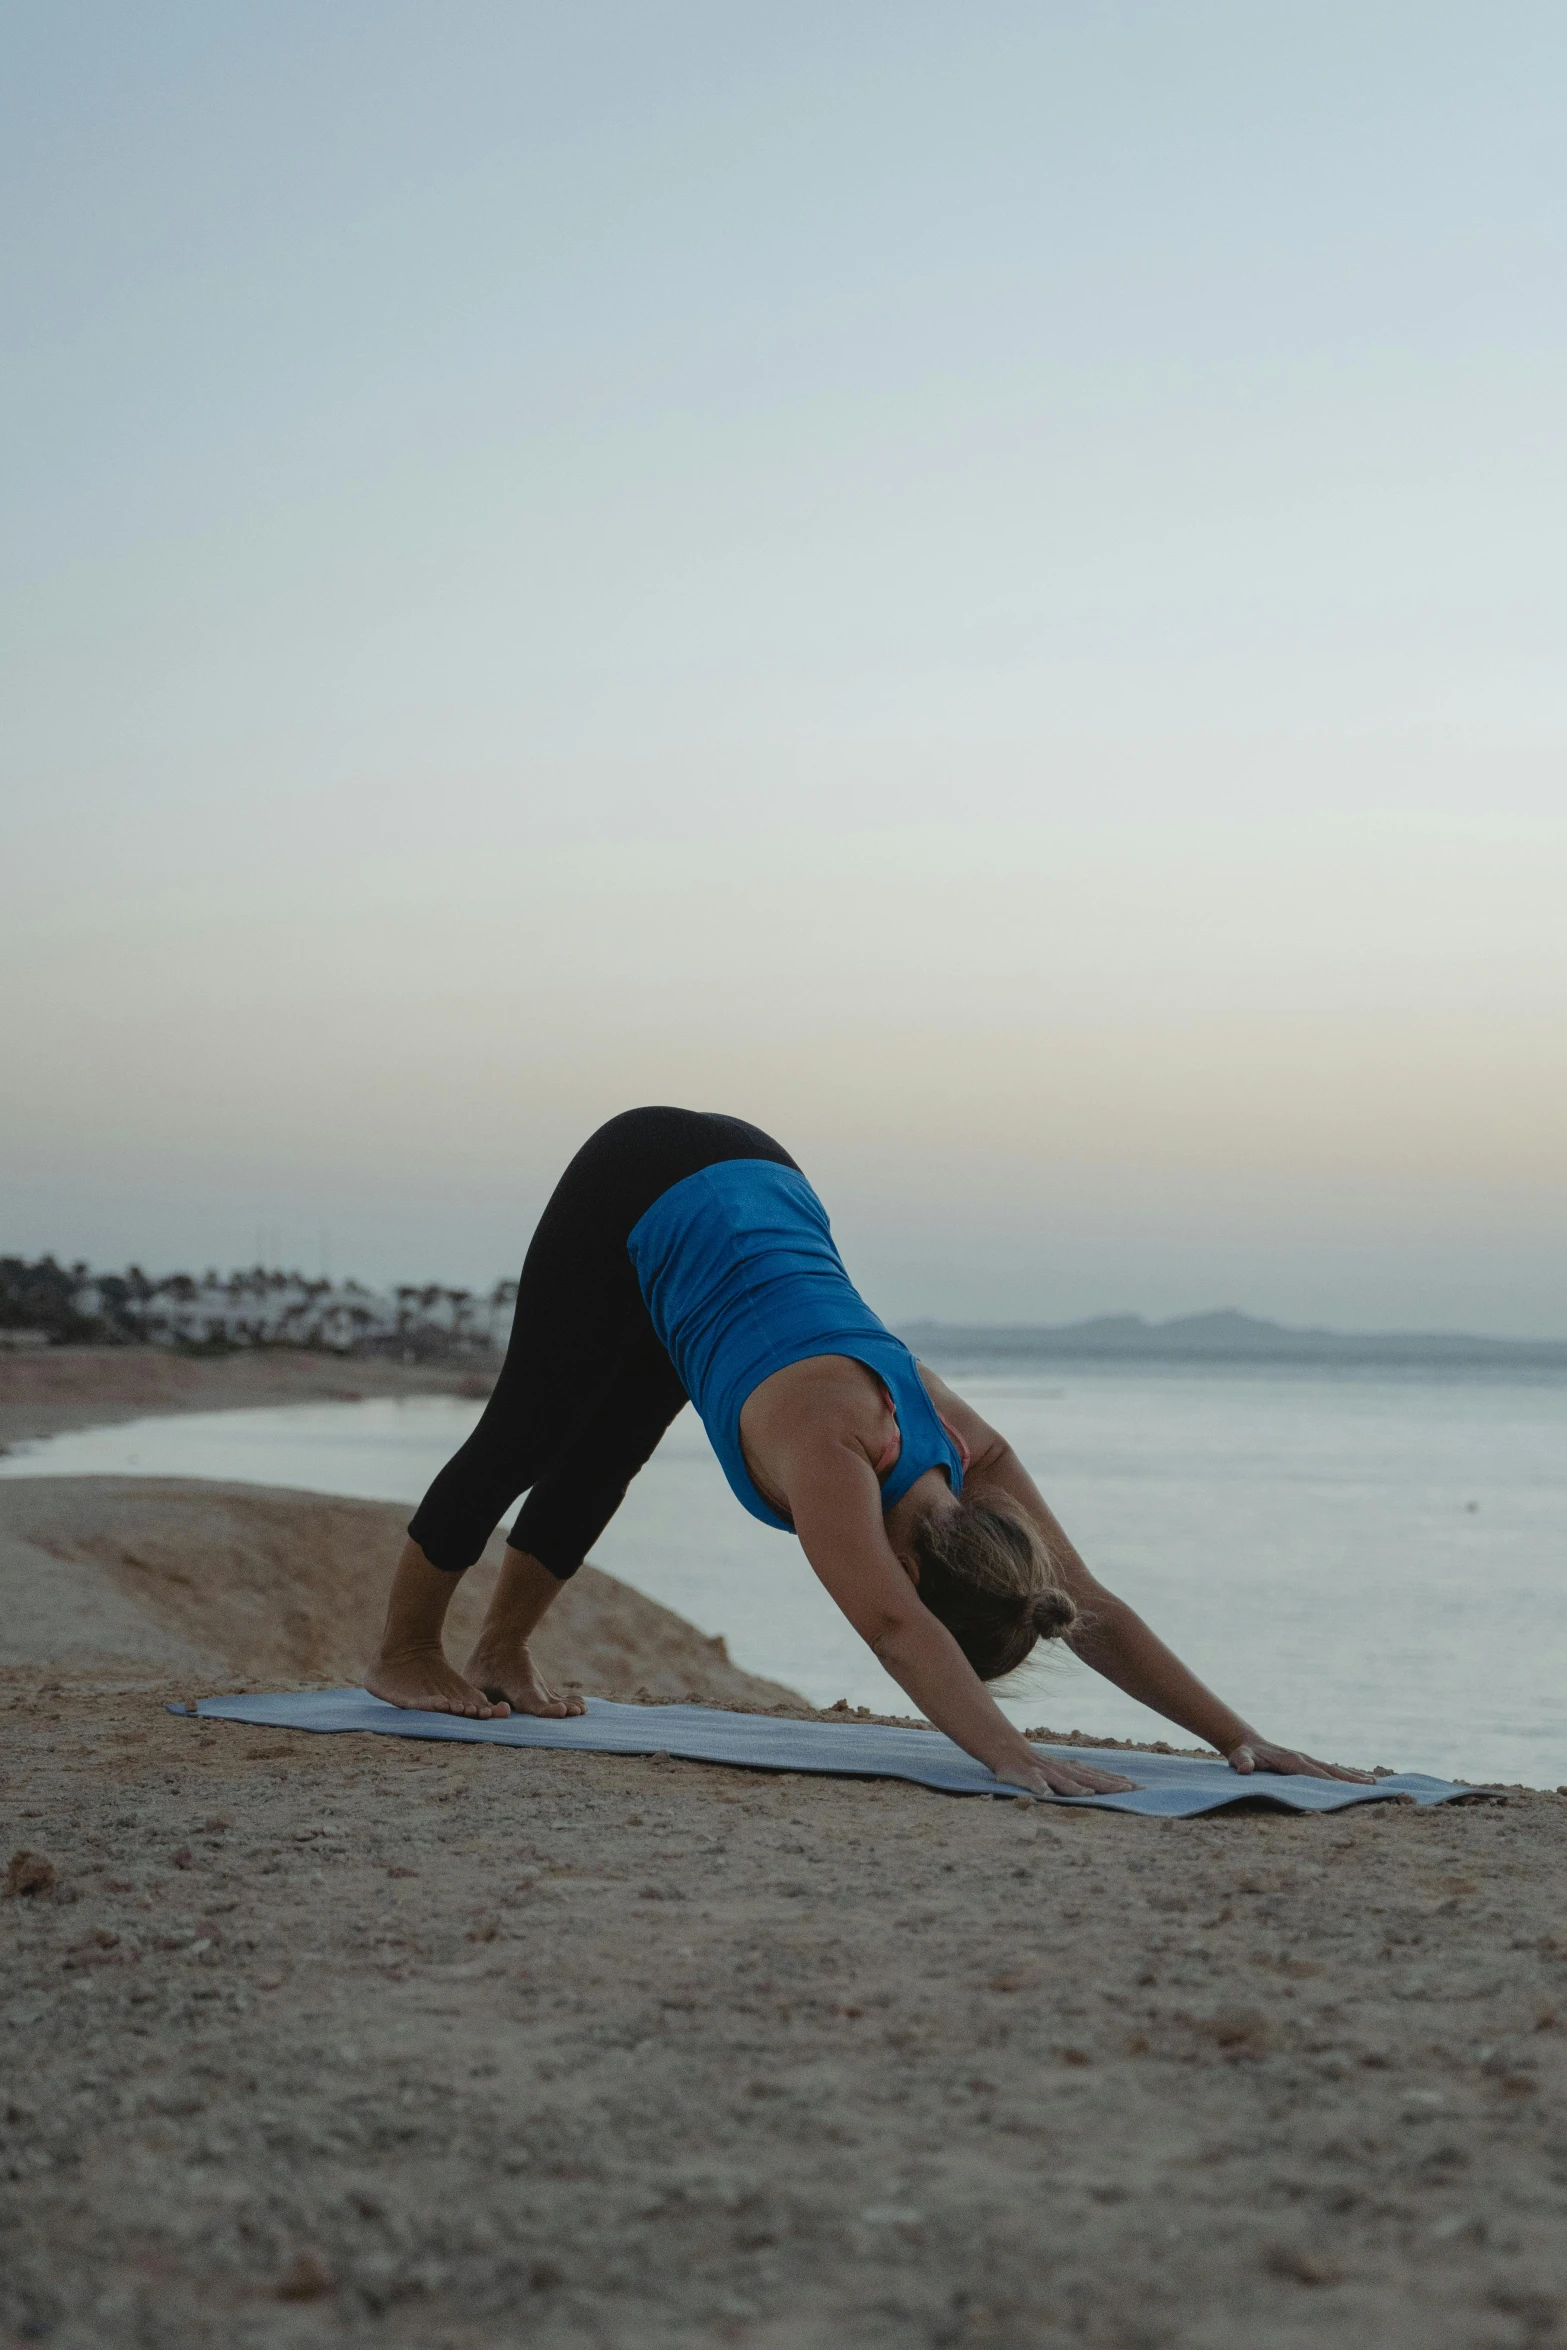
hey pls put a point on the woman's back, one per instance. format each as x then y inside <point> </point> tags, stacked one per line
<point>741,1278</point>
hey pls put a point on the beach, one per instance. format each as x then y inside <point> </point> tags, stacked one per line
<point>59,1388</point>
<point>307,2039</point>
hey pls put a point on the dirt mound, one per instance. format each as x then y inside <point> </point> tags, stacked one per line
<point>160,1576</point>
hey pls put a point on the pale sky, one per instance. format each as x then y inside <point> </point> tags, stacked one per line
<point>983,586</point>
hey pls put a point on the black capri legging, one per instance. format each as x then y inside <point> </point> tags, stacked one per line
<point>587,1388</point>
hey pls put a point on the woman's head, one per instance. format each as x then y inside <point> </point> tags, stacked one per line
<point>984,1572</point>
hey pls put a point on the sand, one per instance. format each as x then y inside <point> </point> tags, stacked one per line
<point>119,1580</point>
<point>97,1387</point>
<point>313,2040</point>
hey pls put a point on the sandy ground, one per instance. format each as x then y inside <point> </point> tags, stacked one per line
<point>119,1581</point>
<point>306,2040</point>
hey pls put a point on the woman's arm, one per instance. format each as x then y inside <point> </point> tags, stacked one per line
<point>1112,1637</point>
<point>835,1503</point>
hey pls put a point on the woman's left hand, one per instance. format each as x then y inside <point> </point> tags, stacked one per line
<point>1256,1754</point>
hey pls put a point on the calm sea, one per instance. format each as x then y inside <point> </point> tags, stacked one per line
<point>1368,1564</point>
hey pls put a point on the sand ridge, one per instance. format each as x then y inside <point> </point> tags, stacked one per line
<point>252,1586</point>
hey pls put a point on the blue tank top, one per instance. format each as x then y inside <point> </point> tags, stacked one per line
<point>739,1272</point>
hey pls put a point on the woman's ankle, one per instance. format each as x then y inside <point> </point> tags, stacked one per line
<point>416,1605</point>
<point>505,1645</point>
<point>409,1649</point>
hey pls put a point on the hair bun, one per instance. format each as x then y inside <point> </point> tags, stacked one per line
<point>1051,1613</point>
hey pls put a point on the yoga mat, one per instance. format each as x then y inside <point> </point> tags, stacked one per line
<point>1170,1786</point>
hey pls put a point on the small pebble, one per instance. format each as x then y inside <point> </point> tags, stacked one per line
<point>29,1873</point>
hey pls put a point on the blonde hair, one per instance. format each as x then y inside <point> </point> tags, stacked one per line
<point>987,1574</point>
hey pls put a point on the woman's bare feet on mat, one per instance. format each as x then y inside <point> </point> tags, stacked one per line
<point>510,1674</point>
<point>422,1681</point>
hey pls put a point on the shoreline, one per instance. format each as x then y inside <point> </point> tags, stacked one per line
<point>62,1389</point>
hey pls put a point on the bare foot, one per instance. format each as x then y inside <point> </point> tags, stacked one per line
<point>509,1674</point>
<point>422,1681</point>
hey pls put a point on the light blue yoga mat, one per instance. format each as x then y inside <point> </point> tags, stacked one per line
<point>1169,1786</point>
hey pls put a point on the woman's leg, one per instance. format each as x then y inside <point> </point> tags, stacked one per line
<point>501,1666</point>
<point>564,1515</point>
<point>547,1387</point>
<point>410,1667</point>
<point>584,1394</point>
<point>567,1511</point>
<point>579,1319</point>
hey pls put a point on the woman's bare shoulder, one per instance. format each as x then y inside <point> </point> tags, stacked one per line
<point>827,1387</point>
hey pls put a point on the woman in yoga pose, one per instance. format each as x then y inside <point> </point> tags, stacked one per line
<point>685,1255</point>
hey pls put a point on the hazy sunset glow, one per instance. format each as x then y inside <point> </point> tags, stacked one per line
<point>982,589</point>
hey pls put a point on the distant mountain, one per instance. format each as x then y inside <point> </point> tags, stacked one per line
<point>1225,1337</point>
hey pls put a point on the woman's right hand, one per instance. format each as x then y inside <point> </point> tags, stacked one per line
<point>1053,1777</point>
<point>838,1517</point>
